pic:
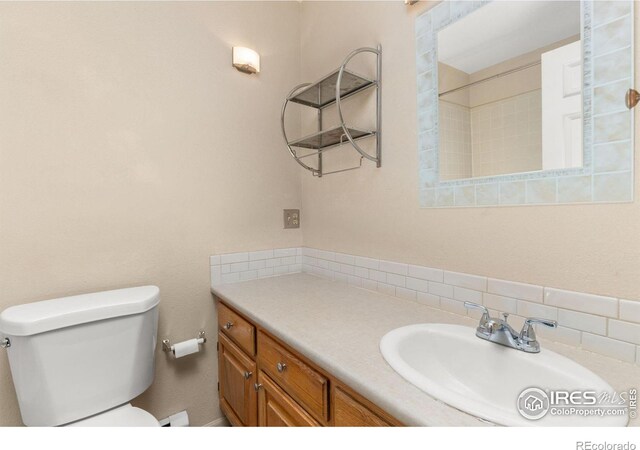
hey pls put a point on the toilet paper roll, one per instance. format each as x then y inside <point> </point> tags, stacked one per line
<point>185,348</point>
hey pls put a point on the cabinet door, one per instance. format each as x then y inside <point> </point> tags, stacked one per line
<point>277,409</point>
<point>351,413</point>
<point>237,375</point>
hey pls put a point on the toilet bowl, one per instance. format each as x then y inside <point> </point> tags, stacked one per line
<point>122,416</point>
<point>80,360</point>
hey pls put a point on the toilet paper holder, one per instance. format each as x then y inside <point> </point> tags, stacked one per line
<point>166,343</point>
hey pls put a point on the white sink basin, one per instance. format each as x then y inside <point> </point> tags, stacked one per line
<point>485,379</point>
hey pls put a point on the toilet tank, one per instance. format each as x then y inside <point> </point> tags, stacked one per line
<point>74,357</point>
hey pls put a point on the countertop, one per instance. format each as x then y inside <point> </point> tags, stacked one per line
<point>339,328</point>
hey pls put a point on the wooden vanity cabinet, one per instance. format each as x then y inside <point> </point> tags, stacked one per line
<point>264,382</point>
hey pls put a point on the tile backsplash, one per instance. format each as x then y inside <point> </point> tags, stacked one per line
<point>244,266</point>
<point>601,324</point>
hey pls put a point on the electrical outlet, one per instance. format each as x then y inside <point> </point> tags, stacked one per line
<point>292,218</point>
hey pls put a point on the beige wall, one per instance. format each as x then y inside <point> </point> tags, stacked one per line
<point>374,212</point>
<point>452,78</point>
<point>130,151</point>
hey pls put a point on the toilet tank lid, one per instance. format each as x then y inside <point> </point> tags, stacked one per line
<point>47,315</point>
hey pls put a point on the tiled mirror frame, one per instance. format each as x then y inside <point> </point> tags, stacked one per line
<point>607,173</point>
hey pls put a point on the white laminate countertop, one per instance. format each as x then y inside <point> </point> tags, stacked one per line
<point>339,327</point>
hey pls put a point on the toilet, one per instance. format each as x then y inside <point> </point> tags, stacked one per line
<point>80,360</point>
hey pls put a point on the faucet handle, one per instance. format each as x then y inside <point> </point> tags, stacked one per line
<point>471,305</point>
<point>485,312</point>
<point>528,334</point>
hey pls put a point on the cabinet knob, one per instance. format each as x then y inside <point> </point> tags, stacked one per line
<point>247,375</point>
<point>631,98</point>
<point>228,325</point>
<point>281,367</point>
<point>257,386</point>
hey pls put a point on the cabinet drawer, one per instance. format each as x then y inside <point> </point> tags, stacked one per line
<point>348,412</point>
<point>277,409</point>
<point>238,329</point>
<point>306,385</point>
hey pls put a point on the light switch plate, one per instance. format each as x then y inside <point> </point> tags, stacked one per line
<point>292,218</point>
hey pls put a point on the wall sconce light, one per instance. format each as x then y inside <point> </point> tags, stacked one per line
<point>410,2</point>
<point>246,60</point>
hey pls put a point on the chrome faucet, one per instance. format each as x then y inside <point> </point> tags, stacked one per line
<point>500,332</point>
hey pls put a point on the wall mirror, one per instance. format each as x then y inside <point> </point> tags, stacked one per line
<point>523,102</point>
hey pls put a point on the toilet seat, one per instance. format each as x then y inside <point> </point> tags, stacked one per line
<point>122,416</point>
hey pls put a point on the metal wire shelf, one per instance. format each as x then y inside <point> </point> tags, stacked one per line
<point>332,89</point>
<point>329,138</point>
<point>322,93</point>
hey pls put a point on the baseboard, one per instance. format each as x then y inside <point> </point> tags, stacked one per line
<point>220,422</point>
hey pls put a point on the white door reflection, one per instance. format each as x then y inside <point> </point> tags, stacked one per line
<point>562,107</point>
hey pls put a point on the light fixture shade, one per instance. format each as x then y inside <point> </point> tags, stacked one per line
<point>246,60</point>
